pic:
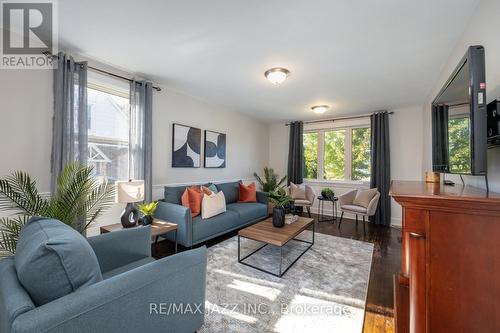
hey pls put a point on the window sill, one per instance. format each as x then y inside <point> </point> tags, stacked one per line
<point>338,183</point>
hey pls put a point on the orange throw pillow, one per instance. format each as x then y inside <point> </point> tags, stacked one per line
<point>206,190</point>
<point>248,193</point>
<point>191,198</point>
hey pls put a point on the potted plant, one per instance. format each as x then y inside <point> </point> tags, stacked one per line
<point>147,210</point>
<point>281,201</point>
<point>270,183</point>
<point>327,193</point>
<point>79,199</point>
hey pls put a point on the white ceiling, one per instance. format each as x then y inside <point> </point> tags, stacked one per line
<point>357,56</point>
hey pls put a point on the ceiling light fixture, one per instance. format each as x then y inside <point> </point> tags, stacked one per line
<point>277,75</point>
<point>320,109</point>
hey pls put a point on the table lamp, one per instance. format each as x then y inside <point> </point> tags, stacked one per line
<point>129,192</point>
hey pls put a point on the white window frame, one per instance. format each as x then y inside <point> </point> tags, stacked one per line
<point>348,127</point>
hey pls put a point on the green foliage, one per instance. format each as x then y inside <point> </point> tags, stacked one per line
<point>279,198</point>
<point>310,155</point>
<point>270,182</point>
<point>361,149</point>
<point>327,193</point>
<point>79,200</point>
<point>459,145</point>
<point>148,209</point>
<point>334,161</point>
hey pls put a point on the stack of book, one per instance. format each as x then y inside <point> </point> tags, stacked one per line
<point>289,218</point>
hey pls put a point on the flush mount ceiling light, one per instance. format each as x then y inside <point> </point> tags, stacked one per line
<point>319,109</point>
<point>277,75</point>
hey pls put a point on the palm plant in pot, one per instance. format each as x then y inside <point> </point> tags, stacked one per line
<point>270,183</point>
<point>147,210</point>
<point>281,201</point>
<point>79,199</point>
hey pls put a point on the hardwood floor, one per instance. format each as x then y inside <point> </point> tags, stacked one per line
<point>386,262</point>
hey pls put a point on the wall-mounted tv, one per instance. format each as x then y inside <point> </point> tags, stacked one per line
<point>459,131</point>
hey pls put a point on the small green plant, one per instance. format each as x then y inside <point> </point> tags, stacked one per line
<point>279,198</point>
<point>327,193</point>
<point>270,182</point>
<point>79,200</point>
<point>148,209</point>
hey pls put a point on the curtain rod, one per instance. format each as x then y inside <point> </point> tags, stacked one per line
<point>337,119</point>
<point>48,54</point>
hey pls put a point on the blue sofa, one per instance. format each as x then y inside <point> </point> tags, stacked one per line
<point>60,282</point>
<point>193,231</point>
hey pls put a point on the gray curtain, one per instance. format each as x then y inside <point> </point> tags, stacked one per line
<point>440,155</point>
<point>381,166</point>
<point>69,133</point>
<point>296,153</point>
<point>140,134</point>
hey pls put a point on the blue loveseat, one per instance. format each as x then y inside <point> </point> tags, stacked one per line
<point>193,231</point>
<point>58,281</point>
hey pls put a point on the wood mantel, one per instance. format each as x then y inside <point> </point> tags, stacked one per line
<point>451,258</point>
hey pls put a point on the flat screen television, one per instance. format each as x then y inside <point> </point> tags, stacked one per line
<point>459,130</point>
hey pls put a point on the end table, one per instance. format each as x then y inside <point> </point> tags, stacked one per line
<point>158,228</point>
<point>321,207</point>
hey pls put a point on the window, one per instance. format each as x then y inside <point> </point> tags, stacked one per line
<point>360,156</point>
<point>311,155</point>
<point>333,161</point>
<point>108,127</point>
<point>338,154</point>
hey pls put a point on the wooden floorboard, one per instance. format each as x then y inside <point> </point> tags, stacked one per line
<point>386,262</point>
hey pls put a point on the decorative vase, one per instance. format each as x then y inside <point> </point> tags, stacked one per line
<point>278,217</point>
<point>147,220</point>
<point>130,215</point>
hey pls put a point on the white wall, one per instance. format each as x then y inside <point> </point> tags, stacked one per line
<point>405,127</point>
<point>26,123</point>
<point>26,134</point>
<point>483,29</point>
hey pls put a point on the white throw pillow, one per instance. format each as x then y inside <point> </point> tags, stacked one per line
<point>213,205</point>
<point>297,191</point>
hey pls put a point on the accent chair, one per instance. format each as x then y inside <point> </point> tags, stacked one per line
<point>306,202</point>
<point>59,281</point>
<point>362,203</point>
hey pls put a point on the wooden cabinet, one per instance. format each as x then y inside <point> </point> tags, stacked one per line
<point>450,276</point>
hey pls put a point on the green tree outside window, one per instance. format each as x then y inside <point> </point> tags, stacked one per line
<point>459,145</point>
<point>334,157</point>
<point>360,158</point>
<point>310,155</point>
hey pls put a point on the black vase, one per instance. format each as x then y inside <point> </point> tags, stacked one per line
<point>278,217</point>
<point>130,216</point>
<point>147,220</point>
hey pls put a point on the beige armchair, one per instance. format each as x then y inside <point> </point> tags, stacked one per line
<point>308,201</point>
<point>348,205</point>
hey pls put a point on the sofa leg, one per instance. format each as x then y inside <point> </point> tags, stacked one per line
<point>356,221</point>
<point>341,216</point>
<point>309,211</point>
<point>364,225</point>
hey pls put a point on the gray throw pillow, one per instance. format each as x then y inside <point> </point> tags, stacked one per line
<point>363,198</point>
<point>53,260</point>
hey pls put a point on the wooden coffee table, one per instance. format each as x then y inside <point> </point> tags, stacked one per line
<point>266,233</point>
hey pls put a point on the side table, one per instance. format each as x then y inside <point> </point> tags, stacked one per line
<point>321,207</point>
<point>158,228</point>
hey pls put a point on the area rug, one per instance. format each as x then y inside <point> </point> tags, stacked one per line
<point>324,291</point>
